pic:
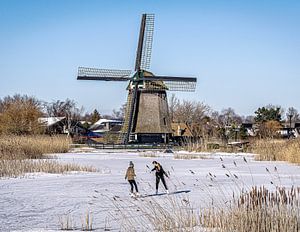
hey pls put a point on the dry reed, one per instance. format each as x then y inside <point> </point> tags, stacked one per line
<point>66,222</point>
<point>28,147</point>
<point>277,150</point>
<point>15,168</point>
<point>87,222</point>
<point>26,154</point>
<point>257,210</point>
<point>214,146</point>
<point>149,154</point>
<point>189,156</point>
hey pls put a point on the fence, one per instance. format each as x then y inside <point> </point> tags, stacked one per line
<point>123,146</point>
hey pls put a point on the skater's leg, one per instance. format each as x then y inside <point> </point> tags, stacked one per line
<point>131,184</point>
<point>164,182</point>
<point>135,185</point>
<point>157,182</point>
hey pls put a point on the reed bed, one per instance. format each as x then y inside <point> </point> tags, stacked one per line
<point>67,222</point>
<point>189,156</point>
<point>151,215</point>
<point>31,147</point>
<point>216,146</point>
<point>193,146</point>
<point>27,154</point>
<point>149,154</point>
<point>257,210</point>
<point>19,167</point>
<point>277,150</point>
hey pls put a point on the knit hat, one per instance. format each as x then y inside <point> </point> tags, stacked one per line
<point>131,164</point>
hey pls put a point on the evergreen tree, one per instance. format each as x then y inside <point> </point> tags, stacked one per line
<point>268,118</point>
<point>268,113</point>
<point>95,116</point>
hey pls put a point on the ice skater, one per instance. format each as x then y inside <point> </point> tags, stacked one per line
<point>130,174</point>
<point>159,173</point>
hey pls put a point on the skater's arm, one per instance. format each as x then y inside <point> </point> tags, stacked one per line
<point>126,175</point>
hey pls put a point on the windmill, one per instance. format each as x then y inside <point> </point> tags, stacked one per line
<point>146,116</point>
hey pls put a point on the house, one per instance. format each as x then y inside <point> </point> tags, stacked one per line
<point>250,127</point>
<point>61,125</point>
<point>100,130</point>
<point>54,125</point>
<point>181,132</point>
<point>286,128</point>
<point>290,128</point>
<point>104,125</point>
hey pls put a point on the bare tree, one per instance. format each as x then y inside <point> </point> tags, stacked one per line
<point>194,114</point>
<point>293,113</point>
<point>249,119</point>
<point>225,124</point>
<point>119,114</point>
<point>190,111</point>
<point>173,104</point>
<point>67,109</point>
<point>229,118</point>
<point>63,109</point>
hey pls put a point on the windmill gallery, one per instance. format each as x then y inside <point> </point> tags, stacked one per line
<point>147,117</point>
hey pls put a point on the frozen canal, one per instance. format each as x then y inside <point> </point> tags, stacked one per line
<point>39,202</point>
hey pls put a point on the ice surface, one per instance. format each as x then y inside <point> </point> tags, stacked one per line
<point>39,201</point>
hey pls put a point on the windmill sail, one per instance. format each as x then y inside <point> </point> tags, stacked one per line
<point>103,74</point>
<point>187,84</point>
<point>144,50</point>
<point>147,43</point>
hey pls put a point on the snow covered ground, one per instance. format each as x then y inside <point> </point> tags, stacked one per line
<point>40,201</point>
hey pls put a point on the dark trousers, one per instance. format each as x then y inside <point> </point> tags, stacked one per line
<point>162,178</point>
<point>133,183</point>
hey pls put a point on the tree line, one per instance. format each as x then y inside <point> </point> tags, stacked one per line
<point>19,115</point>
<point>227,124</point>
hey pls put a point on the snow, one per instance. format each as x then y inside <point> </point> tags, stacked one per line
<point>39,201</point>
<point>49,121</point>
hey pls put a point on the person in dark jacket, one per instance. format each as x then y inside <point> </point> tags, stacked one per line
<point>130,174</point>
<point>159,173</point>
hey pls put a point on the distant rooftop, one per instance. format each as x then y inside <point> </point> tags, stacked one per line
<point>49,121</point>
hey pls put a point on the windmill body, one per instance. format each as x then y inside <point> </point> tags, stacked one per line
<point>147,117</point>
<point>150,119</point>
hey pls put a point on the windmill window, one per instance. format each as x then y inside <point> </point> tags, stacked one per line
<point>165,121</point>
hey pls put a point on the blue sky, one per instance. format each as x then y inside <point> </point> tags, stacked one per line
<point>245,54</point>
